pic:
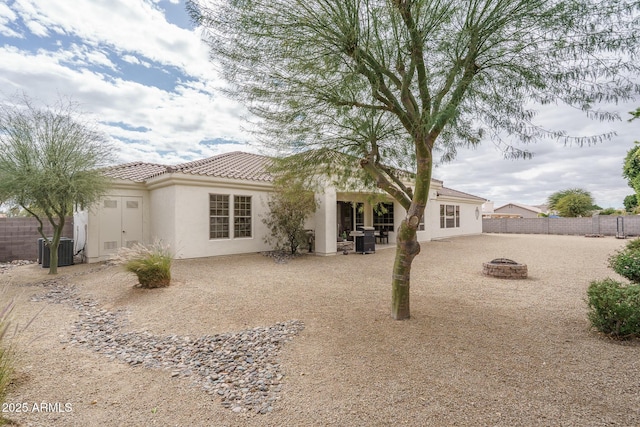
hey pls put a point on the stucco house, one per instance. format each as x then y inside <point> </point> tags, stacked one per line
<point>515,210</point>
<point>215,207</point>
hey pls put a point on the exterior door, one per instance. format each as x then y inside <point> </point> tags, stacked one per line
<point>120,223</point>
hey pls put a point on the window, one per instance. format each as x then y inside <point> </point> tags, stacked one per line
<point>383,217</point>
<point>449,216</point>
<point>242,216</point>
<point>421,223</point>
<point>218,216</point>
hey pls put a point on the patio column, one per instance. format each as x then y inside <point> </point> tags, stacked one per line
<point>326,222</point>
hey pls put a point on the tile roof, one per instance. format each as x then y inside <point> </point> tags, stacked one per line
<point>444,191</point>
<point>234,165</point>
<point>135,171</point>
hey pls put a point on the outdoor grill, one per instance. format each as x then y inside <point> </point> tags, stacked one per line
<point>365,240</point>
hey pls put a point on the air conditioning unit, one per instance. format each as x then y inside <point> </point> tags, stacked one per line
<point>65,253</point>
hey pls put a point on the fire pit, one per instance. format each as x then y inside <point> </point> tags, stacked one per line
<point>505,269</point>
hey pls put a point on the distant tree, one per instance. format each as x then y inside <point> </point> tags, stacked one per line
<point>571,203</point>
<point>49,160</point>
<point>290,206</point>
<point>608,211</point>
<point>397,83</point>
<point>630,202</point>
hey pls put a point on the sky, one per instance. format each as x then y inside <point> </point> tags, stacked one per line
<point>141,70</point>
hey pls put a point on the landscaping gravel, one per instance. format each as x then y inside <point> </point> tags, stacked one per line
<point>246,341</point>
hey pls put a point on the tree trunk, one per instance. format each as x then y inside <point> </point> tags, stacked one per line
<point>53,250</point>
<point>407,249</point>
<point>55,243</point>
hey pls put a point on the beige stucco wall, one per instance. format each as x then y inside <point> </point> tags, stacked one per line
<point>325,222</point>
<point>91,222</point>
<point>176,212</point>
<point>187,226</point>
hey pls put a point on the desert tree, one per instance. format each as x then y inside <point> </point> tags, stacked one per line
<point>290,205</point>
<point>398,84</point>
<point>49,163</point>
<point>573,202</point>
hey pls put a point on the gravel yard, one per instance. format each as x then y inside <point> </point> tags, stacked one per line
<point>248,341</point>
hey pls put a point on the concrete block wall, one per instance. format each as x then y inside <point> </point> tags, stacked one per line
<point>606,225</point>
<point>19,237</point>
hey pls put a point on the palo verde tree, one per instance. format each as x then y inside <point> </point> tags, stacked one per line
<point>49,160</point>
<point>396,83</point>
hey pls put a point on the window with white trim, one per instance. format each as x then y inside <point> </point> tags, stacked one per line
<point>242,216</point>
<point>449,216</point>
<point>218,216</point>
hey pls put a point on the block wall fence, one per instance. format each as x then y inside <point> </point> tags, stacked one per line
<point>19,237</point>
<point>606,225</point>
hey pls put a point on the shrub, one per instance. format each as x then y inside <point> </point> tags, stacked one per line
<point>151,264</point>
<point>626,262</point>
<point>6,355</point>
<point>8,342</point>
<point>633,245</point>
<point>614,308</point>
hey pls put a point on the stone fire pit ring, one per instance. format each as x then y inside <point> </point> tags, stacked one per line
<point>504,268</point>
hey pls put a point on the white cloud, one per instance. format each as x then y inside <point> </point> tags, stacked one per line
<point>137,27</point>
<point>176,120</point>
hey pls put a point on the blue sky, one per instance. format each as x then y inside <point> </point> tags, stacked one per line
<point>140,68</point>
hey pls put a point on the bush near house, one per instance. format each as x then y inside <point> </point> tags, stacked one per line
<point>614,307</point>
<point>152,265</point>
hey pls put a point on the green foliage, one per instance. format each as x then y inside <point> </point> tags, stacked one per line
<point>633,245</point>
<point>571,203</point>
<point>630,203</point>
<point>635,114</point>
<point>614,308</point>
<point>608,211</point>
<point>631,167</point>
<point>49,160</point>
<point>151,264</point>
<point>626,262</point>
<point>289,207</point>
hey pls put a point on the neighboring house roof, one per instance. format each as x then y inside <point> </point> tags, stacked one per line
<point>525,207</point>
<point>444,191</point>
<point>135,171</point>
<point>235,165</point>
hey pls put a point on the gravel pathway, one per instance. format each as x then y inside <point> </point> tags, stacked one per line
<point>240,368</point>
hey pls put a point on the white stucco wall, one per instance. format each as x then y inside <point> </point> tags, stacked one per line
<point>91,218</point>
<point>184,223</point>
<point>469,224</point>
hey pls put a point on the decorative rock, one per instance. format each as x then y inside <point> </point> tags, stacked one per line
<point>238,367</point>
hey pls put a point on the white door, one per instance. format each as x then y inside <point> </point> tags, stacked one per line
<point>131,221</point>
<point>120,223</point>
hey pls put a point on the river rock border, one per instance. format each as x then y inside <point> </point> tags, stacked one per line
<point>240,368</point>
